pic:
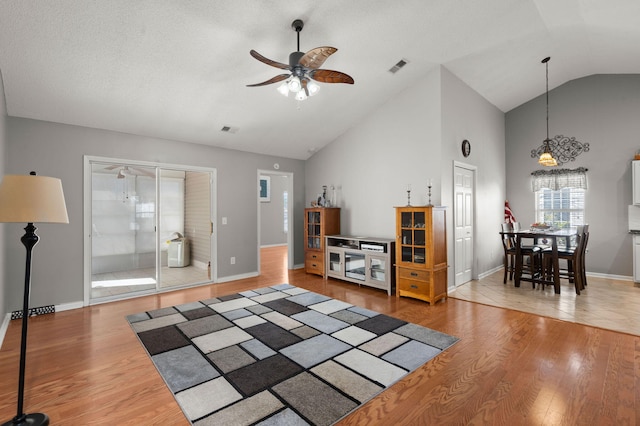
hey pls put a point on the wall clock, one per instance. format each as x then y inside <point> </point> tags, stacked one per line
<point>466,148</point>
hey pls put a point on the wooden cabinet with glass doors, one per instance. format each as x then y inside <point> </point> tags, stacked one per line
<point>318,223</point>
<point>421,253</point>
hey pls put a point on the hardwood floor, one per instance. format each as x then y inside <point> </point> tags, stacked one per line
<point>85,366</point>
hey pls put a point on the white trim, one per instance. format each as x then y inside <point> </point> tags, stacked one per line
<point>239,277</point>
<point>290,245</point>
<point>489,272</point>
<point>69,306</point>
<point>4,327</point>
<point>610,277</point>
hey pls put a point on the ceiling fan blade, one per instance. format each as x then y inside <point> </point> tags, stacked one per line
<point>329,76</point>
<point>275,79</point>
<point>315,57</point>
<point>142,172</point>
<point>269,61</point>
<point>304,82</point>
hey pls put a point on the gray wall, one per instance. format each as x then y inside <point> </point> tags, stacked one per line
<point>603,111</point>
<point>414,137</point>
<point>467,115</point>
<point>4,286</point>
<point>57,150</point>
<point>272,214</point>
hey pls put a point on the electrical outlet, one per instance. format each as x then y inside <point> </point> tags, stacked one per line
<point>233,260</point>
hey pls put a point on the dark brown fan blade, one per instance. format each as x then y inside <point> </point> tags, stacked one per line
<point>315,57</point>
<point>269,61</point>
<point>275,79</point>
<point>328,76</point>
<point>304,86</point>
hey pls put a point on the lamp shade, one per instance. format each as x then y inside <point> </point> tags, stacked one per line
<point>32,199</point>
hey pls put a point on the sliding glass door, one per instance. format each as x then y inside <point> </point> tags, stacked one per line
<point>123,248</point>
<point>151,229</point>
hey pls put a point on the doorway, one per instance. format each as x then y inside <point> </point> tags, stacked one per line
<point>148,226</point>
<point>464,177</point>
<point>275,204</point>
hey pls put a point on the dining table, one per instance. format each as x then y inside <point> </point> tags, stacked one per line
<point>547,237</point>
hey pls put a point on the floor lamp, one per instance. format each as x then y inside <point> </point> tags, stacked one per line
<point>30,199</point>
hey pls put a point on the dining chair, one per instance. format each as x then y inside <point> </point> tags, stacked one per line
<point>530,254</point>
<point>575,270</point>
<point>509,247</point>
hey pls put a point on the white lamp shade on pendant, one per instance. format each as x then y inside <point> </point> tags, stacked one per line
<point>313,88</point>
<point>32,199</point>
<point>294,84</point>
<point>283,89</point>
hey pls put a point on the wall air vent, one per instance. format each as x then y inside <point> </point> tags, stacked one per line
<point>229,129</point>
<point>401,63</point>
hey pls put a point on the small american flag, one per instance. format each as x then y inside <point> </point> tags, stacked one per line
<point>508,214</point>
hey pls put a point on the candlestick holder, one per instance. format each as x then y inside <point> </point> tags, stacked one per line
<point>429,193</point>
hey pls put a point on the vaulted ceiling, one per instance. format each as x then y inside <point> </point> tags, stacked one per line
<point>178,69</point>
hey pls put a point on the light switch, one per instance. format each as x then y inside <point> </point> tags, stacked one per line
<point>224,220</point>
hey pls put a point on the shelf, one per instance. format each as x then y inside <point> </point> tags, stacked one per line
<point>361,260</point>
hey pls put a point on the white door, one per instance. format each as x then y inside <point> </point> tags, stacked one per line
<point>463,223</point>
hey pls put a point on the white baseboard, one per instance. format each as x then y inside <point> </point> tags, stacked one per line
<point>69,306</point>
<point>236,277</point>
<point>4,327</point>
<point>200,265</point>
<point>273,245</point>
<point>489,272</point>
<point>589,274</point>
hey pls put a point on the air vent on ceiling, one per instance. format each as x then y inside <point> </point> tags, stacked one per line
<point>401,63</point>
<point>229,129</point>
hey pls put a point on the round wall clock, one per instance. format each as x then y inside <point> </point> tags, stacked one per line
<point>466,148</point>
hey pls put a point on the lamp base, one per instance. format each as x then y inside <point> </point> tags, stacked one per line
<point>39,419</point>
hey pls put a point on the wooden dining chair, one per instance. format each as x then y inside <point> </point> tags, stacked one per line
<point>573,255</point>
<point>509,247</point>
<point>531,255</point>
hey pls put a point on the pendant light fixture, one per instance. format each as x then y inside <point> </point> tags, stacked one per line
<point>546,158</point>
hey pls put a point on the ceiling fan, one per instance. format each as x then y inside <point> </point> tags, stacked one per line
<point>129,171</point>
<point>304,68</point>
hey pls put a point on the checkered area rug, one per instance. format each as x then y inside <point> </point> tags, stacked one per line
<point>280,355</point>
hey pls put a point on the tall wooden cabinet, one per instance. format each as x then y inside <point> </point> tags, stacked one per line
<point>318,222</point>
<point>421,253</point>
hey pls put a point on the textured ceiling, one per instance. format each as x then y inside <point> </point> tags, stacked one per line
<point>179,69</point>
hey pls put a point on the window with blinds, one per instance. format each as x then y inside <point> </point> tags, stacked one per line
<point>561,208</point>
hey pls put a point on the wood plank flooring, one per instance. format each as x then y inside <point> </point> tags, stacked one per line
<point>86,366</point>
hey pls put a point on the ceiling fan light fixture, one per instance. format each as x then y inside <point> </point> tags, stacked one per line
<point>283,89</point>
<point>300,95</point>
<point>294,84</point>
<point>302,68</point>
<point>313,88</point>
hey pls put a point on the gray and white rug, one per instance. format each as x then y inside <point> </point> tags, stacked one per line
<point>280,355</point>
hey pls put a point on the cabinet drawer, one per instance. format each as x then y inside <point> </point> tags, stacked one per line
<point>412,274</point>
<point>413,286</point>
<point>312,256</point>
<point>314,267</point>
<point>314,263</point>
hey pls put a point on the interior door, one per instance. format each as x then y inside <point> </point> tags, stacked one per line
<point>463,223</point>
